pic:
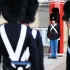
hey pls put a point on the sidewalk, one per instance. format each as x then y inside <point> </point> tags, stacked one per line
<point>55,64</point>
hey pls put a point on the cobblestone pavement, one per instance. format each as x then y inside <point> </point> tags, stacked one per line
<point>61,66</point>
<point>55,64</point>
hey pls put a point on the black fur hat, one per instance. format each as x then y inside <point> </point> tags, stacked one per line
<point>14,10</point>
<point>53,16</point>
<point>55,10</point>
<point>32,7</point>
<point>66,16</point>
<point>66,6</point>
<point>1,4</point>
<point>66,10</point>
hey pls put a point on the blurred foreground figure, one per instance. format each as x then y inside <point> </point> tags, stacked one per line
<point>15,37</point>
<point>32,7</point>
<point>66,17</point>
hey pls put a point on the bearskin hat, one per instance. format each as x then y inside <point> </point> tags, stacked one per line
<point>53,16</point>
<point>66,10</point>
<point>31,9</point>
<point>55,10</point>
<point>66,16</point>
<point>66,6</point>
<point>12,10</point>
<point>1,4</point>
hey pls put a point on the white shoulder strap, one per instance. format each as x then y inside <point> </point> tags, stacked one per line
<point>14,55</point>
<point>53,27</point>
<point>34,33</point>
<point>25,55</point>
<point>68,49</point>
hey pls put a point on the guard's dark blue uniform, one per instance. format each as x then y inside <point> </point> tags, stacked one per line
<point>68,55</point>
<point>40,50</point>
<point>66,17</point>
<point>53,34</point>
<point>38,40</point>
<point>13,33</point>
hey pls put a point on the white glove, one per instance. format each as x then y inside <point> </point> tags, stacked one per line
<point>58,39</point>
<point>48,40</point>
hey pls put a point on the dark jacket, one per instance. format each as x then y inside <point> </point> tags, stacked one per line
<point>39,44</point>
<point>40,50</point>
<point>68,55</point>
<point>52,35</point>
<point>13,33</point>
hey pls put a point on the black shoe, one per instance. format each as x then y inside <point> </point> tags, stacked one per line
<point>55,57</point>
<point>50,57</point>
